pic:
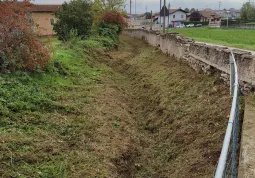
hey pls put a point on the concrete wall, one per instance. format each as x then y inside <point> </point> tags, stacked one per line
<point>201,57</point>
<point>43,20</point>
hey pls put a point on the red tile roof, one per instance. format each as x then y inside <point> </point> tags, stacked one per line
<point>46,8</point>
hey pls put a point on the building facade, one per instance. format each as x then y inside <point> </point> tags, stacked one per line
<point>176,17</point>
<point>43,16</point>
<point>229,13</point>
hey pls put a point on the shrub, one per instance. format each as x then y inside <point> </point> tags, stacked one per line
<point>114,18</point>
<point>74,15</point>
<point>197,22</point>
<point>195,16</point>
<point>20,47</point>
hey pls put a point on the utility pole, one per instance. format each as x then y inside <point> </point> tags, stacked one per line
<point>130,19</point>
<point>135,12</point>
<point>219,5</point>
<point>130,8</point>
<point>146,17</point>
<point>169,5</point>
<point>164,23</point>
<point>135,8</point>
<point>160,16</point>
<point>151,21</point>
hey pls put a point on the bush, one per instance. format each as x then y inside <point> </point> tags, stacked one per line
<point>20,47</point>
<point>197,22</point>
<point>74,15</point>
<point>116,19</point>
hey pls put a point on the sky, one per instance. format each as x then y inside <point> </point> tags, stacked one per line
<point>154,5</point>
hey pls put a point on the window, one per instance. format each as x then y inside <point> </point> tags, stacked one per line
<point>174,16</point>
<point>182,16</point>
<point>52,21</point>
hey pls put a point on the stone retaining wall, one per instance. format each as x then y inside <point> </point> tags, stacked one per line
<point>201,57</point>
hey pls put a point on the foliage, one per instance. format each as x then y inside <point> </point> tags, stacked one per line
<point>76,14</point>
<point>196,22</point>
<point>100,7</point>
<point>110,33</point>
<point>113,5</point>
<point>19,45</point>
<point>48,103</point>
<point>186,9</point>
<point>248,11</point>
<point>195,16</point>
<point>192,10</point>
<point>148,15</point>
<point>114,18</point>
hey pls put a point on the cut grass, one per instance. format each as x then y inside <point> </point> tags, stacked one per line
<point>129,113</point>
<point>239,38</point>
<point>44,116</point>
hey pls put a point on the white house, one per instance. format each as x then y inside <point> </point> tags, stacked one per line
<point>176,16</point>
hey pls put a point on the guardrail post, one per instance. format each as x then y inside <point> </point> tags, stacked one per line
<point>232,74</point>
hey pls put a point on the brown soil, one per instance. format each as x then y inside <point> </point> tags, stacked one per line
<point>156,116</point>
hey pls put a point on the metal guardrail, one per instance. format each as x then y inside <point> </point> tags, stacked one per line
<point>227,165</point>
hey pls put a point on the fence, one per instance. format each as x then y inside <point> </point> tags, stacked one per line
<point>240,26</point>
<point>227,165</point>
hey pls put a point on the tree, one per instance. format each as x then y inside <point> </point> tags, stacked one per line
<point>148,15</point>
<point>113,5</point>
<point>75,15</point>
<point>20,47</point>
<point>248,11</point>
<point>116,19</point>
<point>195,16</point>
<point>186,9</point>
<point>192,10</point>
<point>100,7</point>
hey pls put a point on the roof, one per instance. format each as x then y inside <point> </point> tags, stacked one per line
<point>171,12</point>
<point>165,11</point>
<point>175,10</point>
<point>46,8</point>
<point>206,13</point>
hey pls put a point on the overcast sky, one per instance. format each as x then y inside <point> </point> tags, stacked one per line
<point>154,4</point>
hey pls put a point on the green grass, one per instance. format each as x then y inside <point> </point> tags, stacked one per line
<point>44,114</point>
<point>239,38</point>
<point>252,23</point>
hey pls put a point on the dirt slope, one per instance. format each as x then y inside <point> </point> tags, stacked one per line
<point>157,117</point>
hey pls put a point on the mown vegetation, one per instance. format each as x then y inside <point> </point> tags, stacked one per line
<point>45,89</point>
<point>239,38</point>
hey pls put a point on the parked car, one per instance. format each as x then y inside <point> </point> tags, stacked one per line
<point>180,26</point>
<point>199,25</point>
<point>190,25</point>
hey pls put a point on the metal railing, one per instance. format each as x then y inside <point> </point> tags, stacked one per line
<point>227,165</point>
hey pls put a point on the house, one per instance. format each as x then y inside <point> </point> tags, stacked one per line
<point>176,16</point>
<point>230,13</point>
<point>206,16</point>
<point>43,16</point>
<point>211,17</point>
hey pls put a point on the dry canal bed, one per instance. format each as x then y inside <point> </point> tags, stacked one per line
<point>151,116</point>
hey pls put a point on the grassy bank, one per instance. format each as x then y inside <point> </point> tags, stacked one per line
<point>44,114</point>
<point>99,113</point>
<point>239,38</point>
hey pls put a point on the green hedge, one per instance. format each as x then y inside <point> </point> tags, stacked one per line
<point>196,22</point>
<point>235,22</point>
